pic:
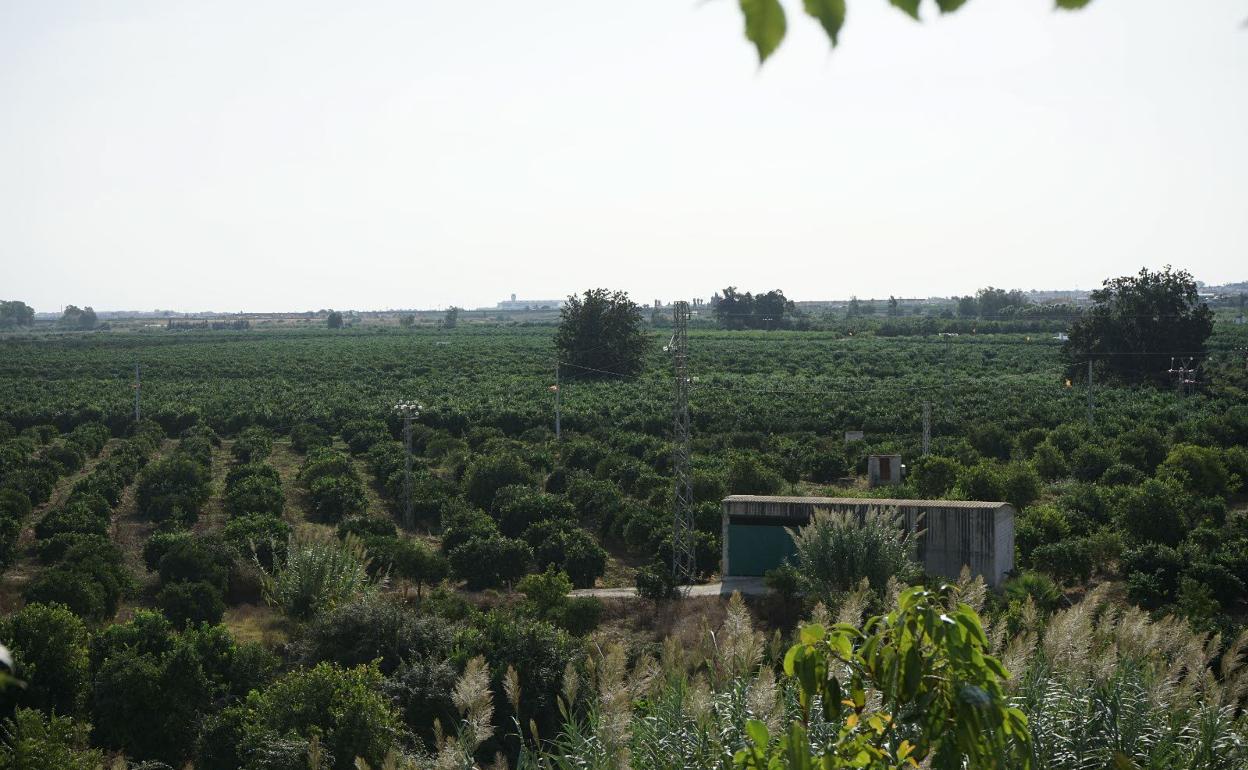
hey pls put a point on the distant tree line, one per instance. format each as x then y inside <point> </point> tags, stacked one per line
<point>736,310</point>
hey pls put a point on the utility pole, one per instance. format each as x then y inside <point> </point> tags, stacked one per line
<point>407,410</point>
<point>138,387</point>
<point>684,566</point>
<point>558,398</point>
<point>1091,406</point>
<point>927,428</point>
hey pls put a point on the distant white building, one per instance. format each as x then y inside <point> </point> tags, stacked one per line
<point>529,304</point>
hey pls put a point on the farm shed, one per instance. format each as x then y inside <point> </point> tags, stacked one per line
<point>883,469</point>
<point>957,532</point>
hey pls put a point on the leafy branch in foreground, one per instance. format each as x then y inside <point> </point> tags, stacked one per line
<point>913,686</point>
<point>766,26</point>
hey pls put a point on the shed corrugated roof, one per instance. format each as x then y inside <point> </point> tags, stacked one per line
<point>880,501</point>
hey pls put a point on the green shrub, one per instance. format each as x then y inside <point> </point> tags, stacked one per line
<point>319,572</point>
<point>1067,560</point>
<point>346,708</point>
<point>186,603</point>
<point>594,499</point>
<point>416,562</point>
<point>568,548</point>
<point>580,615</point>
<point>90,580</point>
<point>708,487</point>
<point>656,583</point>
<point>149,705</point>
<point>205,558</point>
<point>1154,512</point>
<point>991,440</point>
<point>1090,461</point>
<point>54,549</point>
<point>825,466</point>
<point>837,549</point>
<point>785,581</point>
<point>1199,469</point>
<point>1143,448</point>
<point>69,458</point>
<point>264,535</point>
<point>34,741</point>
<point>982,482</point>
<point>252,445</point>
<point>490,562</point>
<point>422,688</point>
<point>516,508</point>
<point>461,523</point>
<point>159,544</point>
<point>306,436</point>
<point>255,494</point>
<point>934,476</point>
<point>1020,484</point>
<point>546,592</point>
<point>1121,474</point>
<point>1049,462</point>
<point>324,462</point>
<point>1039,587</point>
<point>488,474</point>
<point>49,648</point>
<point>334,497</point>
<point>747,475</point>
<point>74,517</point>
<point>173,489</point>
<point>1040,525</point>
<point>373,628</point>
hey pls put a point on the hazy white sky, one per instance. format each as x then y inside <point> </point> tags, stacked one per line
<point>293,154</point>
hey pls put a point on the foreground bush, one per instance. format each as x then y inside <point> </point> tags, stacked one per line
<point>33,741</point>
<point>319,572</point>
<point>837,550</point>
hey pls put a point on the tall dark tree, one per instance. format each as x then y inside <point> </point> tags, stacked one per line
<point>1139,321</point>
<point>773,310</point>
<point>601,330</point>
<point>334,320</point>
<point>992,301</point>
<point>75,317</point>
<point>15,313</point>
<point>734,310</point>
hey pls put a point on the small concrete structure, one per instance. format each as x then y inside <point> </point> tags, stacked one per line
<point>956,533</point>
<point>883,469</point>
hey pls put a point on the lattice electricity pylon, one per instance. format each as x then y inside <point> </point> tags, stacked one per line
<point>684,565</point>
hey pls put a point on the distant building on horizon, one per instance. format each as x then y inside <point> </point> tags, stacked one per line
<point>529,304</point>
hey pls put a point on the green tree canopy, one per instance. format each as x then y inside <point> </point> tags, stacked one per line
<point>1138,322</point>
<point>14,313</point>
<point>600,331</point>
<point>75,317</point>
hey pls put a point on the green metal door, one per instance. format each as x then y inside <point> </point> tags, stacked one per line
<point>755,548</point>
